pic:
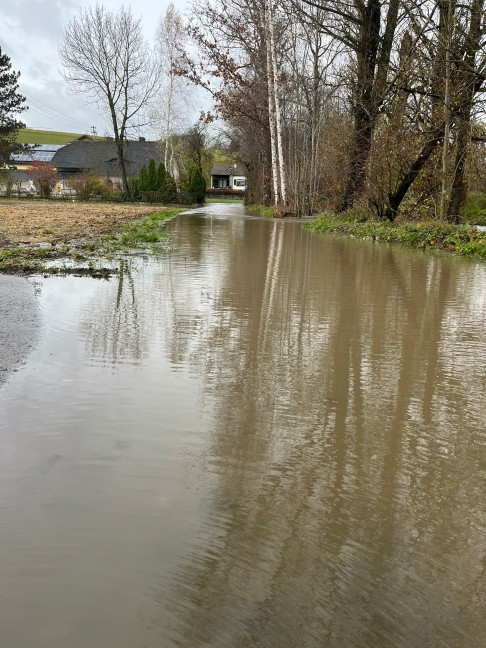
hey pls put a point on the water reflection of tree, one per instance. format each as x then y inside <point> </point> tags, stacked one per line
<point>340,450</point>
<point>111,322</point>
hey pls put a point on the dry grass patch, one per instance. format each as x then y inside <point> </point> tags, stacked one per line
<point>52,222</point>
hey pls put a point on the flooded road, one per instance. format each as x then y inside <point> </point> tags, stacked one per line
<point>260,438</point>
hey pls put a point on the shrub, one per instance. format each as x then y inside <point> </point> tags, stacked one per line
<point>196,185</point>
<point>161,173</point>
<point>474,211</point>
<point>151,176</point>
<point>142,179</point>
<point>89,185</point>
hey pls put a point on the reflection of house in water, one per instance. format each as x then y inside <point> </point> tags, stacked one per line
<point>228,176</point>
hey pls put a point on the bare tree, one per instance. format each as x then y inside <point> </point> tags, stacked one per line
<point>106,58</point>
<point>471,74</point>
<point>366,28</point>
<point>451,36</point>
<point>172,104</point>
<point>275,111</point>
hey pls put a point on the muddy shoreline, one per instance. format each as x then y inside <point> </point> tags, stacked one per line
<point>75,238</point>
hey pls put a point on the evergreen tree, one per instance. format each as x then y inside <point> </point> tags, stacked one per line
<point>169,191</point>
<point>160,176</point>
<point>142,179</point>
<point>11,103</point>
<point>196,185</point>
<point>151,176</point>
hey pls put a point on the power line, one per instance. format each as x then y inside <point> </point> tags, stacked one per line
<point>47,111</point>
<point>43,105</point>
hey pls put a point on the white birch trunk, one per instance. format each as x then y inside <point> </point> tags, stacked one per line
<point>278,112</point>
<point>271,108</point>
<point>168,124</point>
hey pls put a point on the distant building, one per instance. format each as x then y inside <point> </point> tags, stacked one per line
<point>17,181</point>
<point>36,152</point>
<point>100,157</point>
<point>228,176</point>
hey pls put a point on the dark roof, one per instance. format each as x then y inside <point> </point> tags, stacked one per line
<point>101,156</point>
<point>22,176</point>
<point>228,169</point>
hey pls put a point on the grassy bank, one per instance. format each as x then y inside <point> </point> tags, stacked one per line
<point>227,201</point>
<point>464,240</point>
<point>84,255</point>
<point>262,210</point>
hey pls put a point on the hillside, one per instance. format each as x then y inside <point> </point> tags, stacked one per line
<point>33,136</point>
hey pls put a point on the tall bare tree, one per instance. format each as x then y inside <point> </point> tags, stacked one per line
<point>106,58</point>
<point>172,103</point>
<point>275,111</point>
<point>366,28</point>
<point>470,59</point>
<point>449,40</point>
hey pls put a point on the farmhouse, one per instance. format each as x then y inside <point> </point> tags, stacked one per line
<point>16,181</point>
<point>100,157</point>
<point>84,154</point>
<point>228,176</point>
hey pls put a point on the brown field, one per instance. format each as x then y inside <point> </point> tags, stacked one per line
<point>39,222</point>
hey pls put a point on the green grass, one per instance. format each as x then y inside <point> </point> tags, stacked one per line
<point>149,230</point>
<point>462,240</point>
<point>35,136</point>
<point>225,200</point>
<point>267,212</point>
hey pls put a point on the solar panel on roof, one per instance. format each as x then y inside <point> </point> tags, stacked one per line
<point>40,153</point>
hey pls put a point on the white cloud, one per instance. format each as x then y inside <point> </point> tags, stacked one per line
<point>31,33</point>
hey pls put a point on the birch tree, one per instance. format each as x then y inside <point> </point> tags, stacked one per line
<point>231,65</point>
<point>275,111</point>
<point>107,60</point>
<point>173,99</point>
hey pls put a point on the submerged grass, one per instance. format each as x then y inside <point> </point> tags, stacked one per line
<point>464,240</point>
<point>263,210</point>
<point>148,232</point>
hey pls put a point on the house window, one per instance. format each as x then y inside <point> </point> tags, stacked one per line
<point>239,183</point>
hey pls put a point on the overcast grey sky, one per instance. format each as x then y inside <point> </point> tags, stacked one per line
<point>30,35</point>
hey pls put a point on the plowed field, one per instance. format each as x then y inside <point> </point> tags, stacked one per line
<point>38,222</point>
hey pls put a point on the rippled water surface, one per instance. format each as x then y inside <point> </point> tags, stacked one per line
<point>260,438</point>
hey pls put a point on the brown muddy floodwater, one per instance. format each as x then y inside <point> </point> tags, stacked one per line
<point>260,438</point>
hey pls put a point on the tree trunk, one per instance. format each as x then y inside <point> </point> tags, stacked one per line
<point>278,111</point>
<point>365,101</point>
<point>468,88</point>
<point>121,164</point>
<point>276,180</point>
<point>395,199</point>
<point>119,133</point>
<point>447,111</point>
